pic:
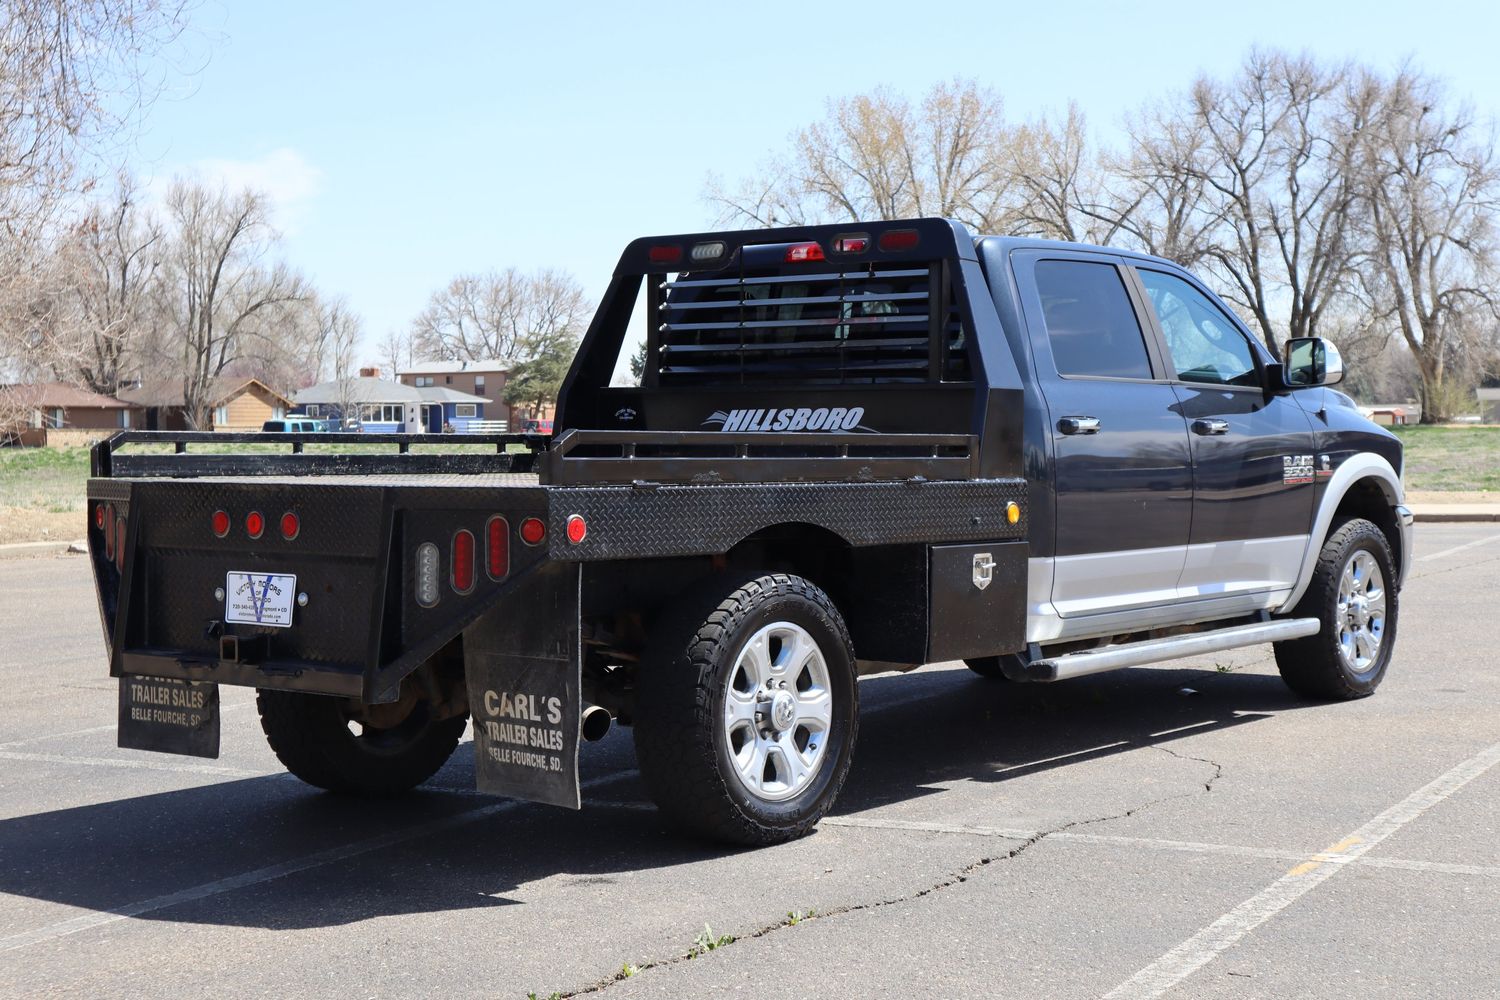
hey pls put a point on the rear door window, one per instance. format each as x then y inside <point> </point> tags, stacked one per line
<point>1090,321</point>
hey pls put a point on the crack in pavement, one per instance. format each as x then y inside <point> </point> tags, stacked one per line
<point>947,882</point>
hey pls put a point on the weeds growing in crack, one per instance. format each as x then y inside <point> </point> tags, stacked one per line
<point>706,942</point>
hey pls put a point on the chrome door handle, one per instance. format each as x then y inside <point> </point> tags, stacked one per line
<point>1210,425</point>
<point>1079,425</point>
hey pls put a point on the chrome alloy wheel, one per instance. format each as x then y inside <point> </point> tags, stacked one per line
<point>778,710</point>
<point>1361,611</point>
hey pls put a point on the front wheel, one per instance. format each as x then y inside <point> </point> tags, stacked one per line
<point>747,711</point>
<point>1353,593</point>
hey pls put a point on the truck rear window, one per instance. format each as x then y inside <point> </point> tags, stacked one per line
<point>826,321</point>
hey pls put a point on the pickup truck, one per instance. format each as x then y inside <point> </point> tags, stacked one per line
<point>853,449</point>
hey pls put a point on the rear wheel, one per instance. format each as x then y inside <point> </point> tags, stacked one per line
<point>746,711</point>
<point>375,750</point>
<point>993,667</point>
<point>1353,594</point>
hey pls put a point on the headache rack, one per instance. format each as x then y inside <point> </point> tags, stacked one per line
<point>829,322</point>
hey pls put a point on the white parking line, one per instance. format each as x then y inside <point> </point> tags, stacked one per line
<point>1151,843</point>
<point>1200,949</point>
<point>170,764</point>
<point>343,852</point>
<point>1458,548</point>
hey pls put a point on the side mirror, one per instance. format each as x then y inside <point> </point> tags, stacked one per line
<point>1311,361</point>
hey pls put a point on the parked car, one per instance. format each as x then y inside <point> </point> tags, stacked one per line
<point>855,449</point>
<point>293,426</point>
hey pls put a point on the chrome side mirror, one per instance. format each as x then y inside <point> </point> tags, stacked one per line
<point>1312,361</point>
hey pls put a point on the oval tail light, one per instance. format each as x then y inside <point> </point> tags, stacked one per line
<point>291,526</point>
<point>578,529</point>
<point>497,532</point>
<point>255,524</point>
<point>462,574</point>
<point>220,523</point>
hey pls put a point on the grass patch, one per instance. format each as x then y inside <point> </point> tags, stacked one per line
<point>1451,458</point>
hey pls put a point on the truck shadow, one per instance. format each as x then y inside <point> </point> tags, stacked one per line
<point>272,853</point>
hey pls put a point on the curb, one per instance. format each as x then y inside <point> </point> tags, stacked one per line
<point>21,550</point>
<point>1456,516</point>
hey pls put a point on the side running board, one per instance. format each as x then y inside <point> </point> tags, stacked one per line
<point>1135,654</point>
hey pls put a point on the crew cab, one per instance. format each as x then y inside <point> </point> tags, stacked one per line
<point>852,449</point>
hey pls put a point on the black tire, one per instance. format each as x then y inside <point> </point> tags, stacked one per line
<point>1314,666</point>
<point>682,740</point>
<point>311,736</point>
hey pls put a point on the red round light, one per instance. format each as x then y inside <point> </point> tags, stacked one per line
<point>463,561</point>
<point>533,531</point>
<point>221,523</point>
<point>578,530</point>
<point>99,515</point>
<point>290,526</point>
<point>254,524</point>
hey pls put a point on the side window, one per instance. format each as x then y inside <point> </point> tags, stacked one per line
<point>1204,344</point>
<point>1090,321</point>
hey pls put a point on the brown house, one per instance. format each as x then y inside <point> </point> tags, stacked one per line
<point>239,404</point>
<point>30,411</point>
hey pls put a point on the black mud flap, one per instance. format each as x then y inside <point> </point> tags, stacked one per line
<point>524,674</point>
<point>169,716</point>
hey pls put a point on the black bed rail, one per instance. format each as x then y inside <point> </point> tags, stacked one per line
<point>585,457</point>
<point>198,453</point>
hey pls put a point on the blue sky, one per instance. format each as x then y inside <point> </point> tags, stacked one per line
<point>403,144</point>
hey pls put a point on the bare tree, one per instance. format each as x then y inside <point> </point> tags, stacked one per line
<point>227,301</point>
<point>876,156</point>
<point>502,314</point>
<point>1433,192</point>
<point>395,352</point>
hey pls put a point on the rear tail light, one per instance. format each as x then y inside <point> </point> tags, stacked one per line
<point>665,254</point>
<point>109,531</point>
<point>427,574</point>
<point>291,527</point>
<point>120,544</point>
<point>578,529</point>
<point>533,531</point>
<point>498,552</point>
<point>799,253</point>
<point>221,523</point>
<point>462,575</point>
<point>898,239</point>
<point>255,524</point>
<point>99,516</point>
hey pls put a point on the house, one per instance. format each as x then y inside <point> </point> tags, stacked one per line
<point>481,378</point>
<point>1489,404</point>
<point>239,404</point>
<point>30,411</point>
<point>386,406</point>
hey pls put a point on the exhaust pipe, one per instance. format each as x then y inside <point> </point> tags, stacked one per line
<point>595,722</point>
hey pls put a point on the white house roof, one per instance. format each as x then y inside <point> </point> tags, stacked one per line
<point>453,367</point>
<point>379,390</point>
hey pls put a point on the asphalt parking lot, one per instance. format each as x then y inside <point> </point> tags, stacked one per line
<point>1183,831</point>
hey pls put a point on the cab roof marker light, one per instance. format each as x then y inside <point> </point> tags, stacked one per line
<point>851,243</point>
<point>801,253</point>
<point>668,254</point>
<point>712,250</point>
<point>898,239</point>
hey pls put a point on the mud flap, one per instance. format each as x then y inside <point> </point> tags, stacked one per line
<point>522,661</point>
<point>169,716</point>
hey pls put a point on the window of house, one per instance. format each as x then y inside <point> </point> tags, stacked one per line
<point>1090,322</point>
<point>124,418</point>
<point>464,409</point>
<point>448,379</point>
<point>58,417</point>
<point>383,413</point>
<point>478,383</point>
<point>221,415</point>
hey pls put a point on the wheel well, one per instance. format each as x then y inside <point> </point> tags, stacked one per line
<point>1367,498</point>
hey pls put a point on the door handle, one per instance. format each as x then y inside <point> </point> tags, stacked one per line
<point>1210,425</point>
<point>1079,425</point>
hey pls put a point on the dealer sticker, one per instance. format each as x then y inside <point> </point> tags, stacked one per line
<point>259,598</point>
